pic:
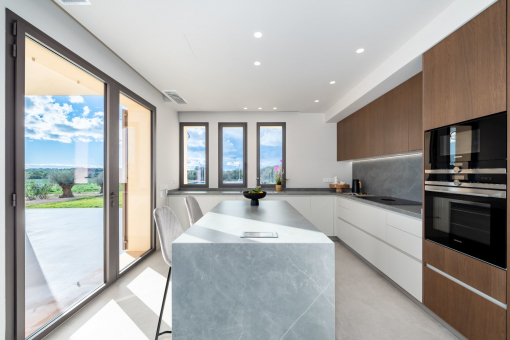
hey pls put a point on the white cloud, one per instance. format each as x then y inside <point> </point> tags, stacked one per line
<point>76,99</point>
<point>228,146</point>
<point>233,163</point>
<point>47,120</point>
<point>99,114</point>
<point>271,137</point>
<point>86,111</point>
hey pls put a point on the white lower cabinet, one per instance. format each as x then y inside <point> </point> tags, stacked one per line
<point>394,250</point>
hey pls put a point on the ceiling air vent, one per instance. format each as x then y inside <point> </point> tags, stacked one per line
<point>74,2</point>
<point>174,96</point>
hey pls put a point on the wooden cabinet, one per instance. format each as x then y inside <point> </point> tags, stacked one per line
<point>464,76</point>
<point>395,113</point>
<point>477,274</point>
<point>469,313</point>
<point>390,124</point>
<point>415,112</point>
<point>375,127</point>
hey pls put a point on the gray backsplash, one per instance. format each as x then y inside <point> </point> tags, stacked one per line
<point>399,177</point>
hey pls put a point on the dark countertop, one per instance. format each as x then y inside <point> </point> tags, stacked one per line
<point>409,210</point>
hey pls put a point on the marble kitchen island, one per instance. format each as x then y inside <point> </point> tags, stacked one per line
<point>227,287</point>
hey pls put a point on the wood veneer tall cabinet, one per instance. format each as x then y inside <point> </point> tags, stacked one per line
<point>465,76</point>
<point>390,124</point>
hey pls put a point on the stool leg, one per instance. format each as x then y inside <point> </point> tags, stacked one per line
<point>163,306</point>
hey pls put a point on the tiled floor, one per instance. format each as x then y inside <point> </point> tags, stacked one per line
<point>367,307</point>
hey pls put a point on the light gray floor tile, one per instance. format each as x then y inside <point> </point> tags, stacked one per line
<point>367,307</point>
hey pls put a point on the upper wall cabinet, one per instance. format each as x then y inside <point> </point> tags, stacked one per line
<point>390,124</point>
<point>464,76</point>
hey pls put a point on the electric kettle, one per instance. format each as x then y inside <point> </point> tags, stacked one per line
<point>356,186</point>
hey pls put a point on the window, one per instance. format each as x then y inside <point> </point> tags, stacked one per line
<point>194,156</point>
<point>270,152</point>
<point>232,155</point>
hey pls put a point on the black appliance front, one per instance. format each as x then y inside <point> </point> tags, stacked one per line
<point>470,224</point>
<point>475,144</point>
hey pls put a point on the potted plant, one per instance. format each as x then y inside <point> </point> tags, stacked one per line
<point>279,177</point>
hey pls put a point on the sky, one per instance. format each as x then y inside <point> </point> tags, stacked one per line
<point>196,147</point>
<point>64,131</point>
<point>232,148</point>
<point>270,147</point>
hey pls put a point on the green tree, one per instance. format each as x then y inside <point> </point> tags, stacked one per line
<point>65,179</point>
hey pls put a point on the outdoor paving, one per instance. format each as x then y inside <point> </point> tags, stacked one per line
<point>64,260</point>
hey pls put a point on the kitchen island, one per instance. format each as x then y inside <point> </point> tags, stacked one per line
<point>227,287</point>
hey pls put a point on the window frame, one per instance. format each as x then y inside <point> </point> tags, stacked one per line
<point>181,156</point>
<point>15,162</point>
<point>244,184</point>
<point>284,152</point>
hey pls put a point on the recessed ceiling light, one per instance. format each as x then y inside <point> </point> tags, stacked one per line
<point>258,35</point>
<point>317,101</point>
<point>246,108</point>
<point>257,63</point>
<point>260,108</point>
<point>360,50</point>
<point>332,82</point>
<point>274,108</point>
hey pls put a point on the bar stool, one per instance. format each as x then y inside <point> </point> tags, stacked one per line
<point>169,229</point>
<point>194,211</point>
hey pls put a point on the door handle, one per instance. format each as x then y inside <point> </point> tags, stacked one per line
<point>112,202</point>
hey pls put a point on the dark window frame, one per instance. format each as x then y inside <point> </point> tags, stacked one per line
<point>284,152</point>
<point>181,156</point>
<point>14,165</point>
<point>244,184</point>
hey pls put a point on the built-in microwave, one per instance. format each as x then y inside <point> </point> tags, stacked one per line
<point>465,188</point>
<point>468,146</point>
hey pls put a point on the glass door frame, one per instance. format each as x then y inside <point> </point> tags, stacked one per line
<point>17,30</point>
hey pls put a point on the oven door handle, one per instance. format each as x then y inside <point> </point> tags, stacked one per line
<point>466,171</point>
<point>467,191</point>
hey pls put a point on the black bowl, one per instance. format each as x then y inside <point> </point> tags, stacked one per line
<point>254,197</point>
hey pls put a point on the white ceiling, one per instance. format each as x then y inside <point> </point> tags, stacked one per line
<point>206,49</point>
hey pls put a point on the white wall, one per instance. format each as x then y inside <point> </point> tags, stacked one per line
<point>311,146</point>
<point>49,18</point>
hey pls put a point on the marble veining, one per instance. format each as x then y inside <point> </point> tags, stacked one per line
<point>254,290</point>
<point>396,177</point>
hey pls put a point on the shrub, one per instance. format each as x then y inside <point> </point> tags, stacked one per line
<point>34,190</point>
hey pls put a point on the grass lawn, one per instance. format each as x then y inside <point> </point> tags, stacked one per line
<point>86,202</point>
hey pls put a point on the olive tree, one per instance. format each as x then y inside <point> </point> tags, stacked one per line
<point>65,179</point>
<point>99,181</point>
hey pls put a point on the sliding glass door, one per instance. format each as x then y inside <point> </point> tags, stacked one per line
<point>64,205</point>
<point>81,176</point>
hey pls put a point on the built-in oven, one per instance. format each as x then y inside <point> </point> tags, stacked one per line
<point>465,188</point>
<point>469,220</point>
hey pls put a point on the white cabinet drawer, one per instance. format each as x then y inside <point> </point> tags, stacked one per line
<point>406,242</point>
<point>407,224</point>
<point>367,218</point>
<point>405,271</point>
